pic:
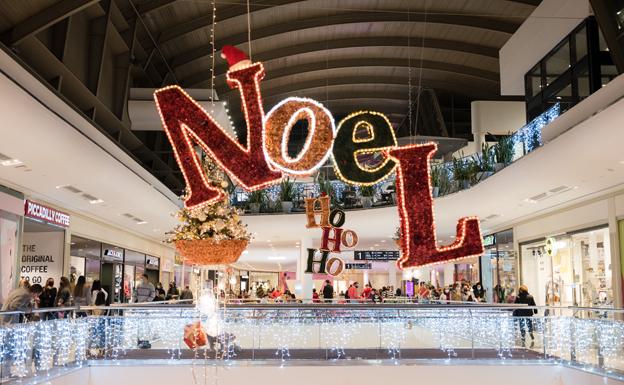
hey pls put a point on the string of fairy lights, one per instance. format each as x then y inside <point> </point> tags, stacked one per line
<point>37,348</point>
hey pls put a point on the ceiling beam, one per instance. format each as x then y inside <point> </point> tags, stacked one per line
<point>277,73</point>
<point>153,5</point>
<point>235,10</point>
<point>354,42</point>
<point>44,19</point>
<point>474,89</point>
<point>480,22</point>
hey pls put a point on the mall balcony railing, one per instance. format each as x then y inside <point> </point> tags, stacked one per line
<point>447,178</point>
<point>585,338</point>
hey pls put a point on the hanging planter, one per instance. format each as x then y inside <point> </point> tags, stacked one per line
<point>210,252</point>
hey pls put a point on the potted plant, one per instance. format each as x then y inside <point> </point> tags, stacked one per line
<point>461,172</point>
<point>256,199</point>
<point>503,152</point>
<point>287,191</point>
<point>484,162</point>
<point>367,193</point>
<point>325,186</point>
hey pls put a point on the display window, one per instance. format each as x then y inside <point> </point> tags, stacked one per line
<point>572,269</point>
<point>43,246</point>
<point>499,267</point>
<point>85,257</point>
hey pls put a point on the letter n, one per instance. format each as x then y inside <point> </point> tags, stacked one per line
<point>186,122</point>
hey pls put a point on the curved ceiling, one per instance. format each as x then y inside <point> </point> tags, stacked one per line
<point>327,47</point>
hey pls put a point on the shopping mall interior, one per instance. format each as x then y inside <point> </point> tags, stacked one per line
<point>208,191</point>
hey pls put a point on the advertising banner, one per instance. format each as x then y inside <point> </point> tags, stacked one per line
<point>42,256</point>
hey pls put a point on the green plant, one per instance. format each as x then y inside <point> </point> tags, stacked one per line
<point>436,176</point>
<point>325,186</point>
<point>460,169</point>
<point>287,190</point>
<point>367,191</point>
<point>504,150</point>
<point>485,162</point>
<point>257,196</point>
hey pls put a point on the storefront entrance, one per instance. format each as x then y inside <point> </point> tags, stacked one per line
<point>573,269</point>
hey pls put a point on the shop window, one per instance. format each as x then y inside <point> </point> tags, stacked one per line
<point>557,63</point>
<point>85,258</point>
<point>576,271</point>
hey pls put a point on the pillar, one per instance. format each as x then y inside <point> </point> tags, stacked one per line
<point>614,252</point>
<point>392,274</point>
<point>304,285</point>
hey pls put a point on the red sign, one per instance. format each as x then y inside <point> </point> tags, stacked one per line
<point>44,213</point>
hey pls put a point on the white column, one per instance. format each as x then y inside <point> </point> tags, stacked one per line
<point>449,274</point>
<point>365,277</point>
<point>303,287</point>
<point>392,274</point>
<point>614,251</point>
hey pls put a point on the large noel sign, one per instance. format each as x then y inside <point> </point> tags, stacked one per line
<point>264,159</point>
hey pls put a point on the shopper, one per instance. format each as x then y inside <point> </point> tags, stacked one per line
<point>367,291</point>
<point>328,291</point>
<point>375,297</point>
<point>456,294</point>
<point>353,292</point>
<point>145,290</point>
<point>47,297</point>
<point>173,292</point>
<point>96,289</point>
<point>21,299</point>
<point>315,296</point>
<point>479,292</point>
<point>186,293</point>
<point>63,297</point>
<point>525,323</point>
<point>160,292</point>
<point>82,295</point>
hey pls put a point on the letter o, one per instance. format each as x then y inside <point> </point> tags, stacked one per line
<point>329,267</point>
<point>278,123</point>
<point>345,238</point>
<point>341,218</point>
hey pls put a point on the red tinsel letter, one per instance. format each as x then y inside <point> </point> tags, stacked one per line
<point>186,122</point>
<point>415,204</point>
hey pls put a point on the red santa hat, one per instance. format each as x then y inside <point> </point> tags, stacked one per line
<point>233,55</point>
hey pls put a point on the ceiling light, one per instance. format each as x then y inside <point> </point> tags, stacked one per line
<point>376,245</point>
<point>383,241</point>
<point>141,222</point>
<point>246,252</point>
<point>11,162</point>
<point>96,201</point>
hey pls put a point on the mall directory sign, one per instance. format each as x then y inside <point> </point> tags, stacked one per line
<point>358,266</point>
<point>375,255</point>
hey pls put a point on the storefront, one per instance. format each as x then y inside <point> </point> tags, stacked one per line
<point>118,269</point>
<point>11,217</point>
<point>499,266</point>
<point>43,243</point>
<point>570,269</point>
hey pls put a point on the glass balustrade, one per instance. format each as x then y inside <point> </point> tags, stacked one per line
<point>587,338</point>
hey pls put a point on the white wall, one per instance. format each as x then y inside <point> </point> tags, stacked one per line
<point>497,117</point>
<point>551,21</point>
<point>308,374</point>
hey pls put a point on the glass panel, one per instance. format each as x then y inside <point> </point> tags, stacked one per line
<point>135,258</point>
<point>92,269</point>
<point>577,272</point>
<point>581,44</point>
<point>85,248</point>
<point>583,85</point>
<point>558,63</point>
<point>77,267</point>
<point>128,284</point>
<point>535,79</point>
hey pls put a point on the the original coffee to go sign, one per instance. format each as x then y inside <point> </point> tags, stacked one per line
<point>264,159</point>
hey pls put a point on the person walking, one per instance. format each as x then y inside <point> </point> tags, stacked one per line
<point>63,296</point>
<point>353,292</point>
<point>328,291</point>
<point>186,293</point>
<point>525,323</point>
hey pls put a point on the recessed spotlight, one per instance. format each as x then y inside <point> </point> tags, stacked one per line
<point>246,252</point>
<point>141,222</point>
<point>96,201</point>
<point>11,162</point>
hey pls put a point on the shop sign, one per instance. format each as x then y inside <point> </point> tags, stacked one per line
<point>42,256</point>
<point>358,266</point>
<point>114,254</point>
<point>489,240</point>
<point>152,262</point>
<point>44,213</point>
<point>375,255</point>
